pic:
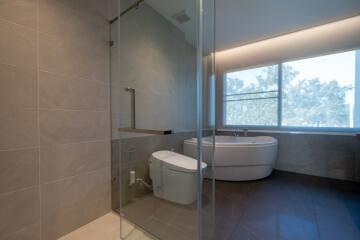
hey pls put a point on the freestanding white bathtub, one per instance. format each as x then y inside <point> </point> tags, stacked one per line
<point>237,158</point>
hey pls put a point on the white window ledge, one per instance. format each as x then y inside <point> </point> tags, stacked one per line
<point>290,131</point>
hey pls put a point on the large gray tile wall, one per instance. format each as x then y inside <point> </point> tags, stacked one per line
<point>160,64</point>
<point>134,154</point>
<point>331,156</point>
<point>54,116</point>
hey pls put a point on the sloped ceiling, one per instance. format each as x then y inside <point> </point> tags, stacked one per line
<point>168,8</point>
<point>244,21</point>
<point>239,22</point>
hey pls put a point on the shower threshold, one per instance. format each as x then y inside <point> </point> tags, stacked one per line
<point>107,227</point>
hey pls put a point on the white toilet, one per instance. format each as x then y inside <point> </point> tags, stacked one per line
<point>174,176</point>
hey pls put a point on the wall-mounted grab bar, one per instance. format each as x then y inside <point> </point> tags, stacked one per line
<point>133,119</point>
<point>133,107</point>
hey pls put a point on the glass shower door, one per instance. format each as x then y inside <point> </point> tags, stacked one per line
<point>161,85</point>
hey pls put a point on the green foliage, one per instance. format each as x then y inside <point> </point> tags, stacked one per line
<point>253,112</point>
<point>306,102</point>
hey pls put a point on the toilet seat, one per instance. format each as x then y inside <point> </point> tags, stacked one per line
<point>177,162</point>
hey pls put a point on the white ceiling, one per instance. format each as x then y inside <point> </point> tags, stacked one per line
<point>239,22</point>
<point>168,8</point>
<point>244,21</point>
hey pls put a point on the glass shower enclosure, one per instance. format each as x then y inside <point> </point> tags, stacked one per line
<point>162,101</point>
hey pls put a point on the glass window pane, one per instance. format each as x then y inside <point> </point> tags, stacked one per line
<point>250,96</point>
<point>252,80</point>
<point>320,91</point>
<point>261,112</point>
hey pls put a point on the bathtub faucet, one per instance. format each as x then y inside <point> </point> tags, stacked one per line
<point>245,132</point>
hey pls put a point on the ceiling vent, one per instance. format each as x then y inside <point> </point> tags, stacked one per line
<point>181,17</point>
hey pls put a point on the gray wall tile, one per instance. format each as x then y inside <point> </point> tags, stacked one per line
<point>58,18</point>
<point>30,233</point>
<point>70,203</point>
<point>74,58</point>
<point>60,127</point>
<point>320,155</point>
<point>74,113</point>
<point>83,20</point>
<point>73,40</point>
<point>18,128</point>
<point>18,169</point>
<point>99,10</point>
<point>19,210</point>
<point>22,12</point>
<point>18,87</point>
<point>64,160</point>
<point>57,91</point>
<point>17,45</point>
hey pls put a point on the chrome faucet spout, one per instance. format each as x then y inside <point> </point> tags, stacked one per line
<point>245,132</point>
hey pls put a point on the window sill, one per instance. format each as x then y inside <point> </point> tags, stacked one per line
<point>286,131</point>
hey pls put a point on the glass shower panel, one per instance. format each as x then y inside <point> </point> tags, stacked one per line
<point>207,47</point>
<point>154,111</point>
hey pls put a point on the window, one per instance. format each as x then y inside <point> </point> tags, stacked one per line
<point>319,92</point>
<point>251,97</point>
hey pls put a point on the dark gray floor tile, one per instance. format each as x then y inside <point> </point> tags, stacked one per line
<point>284,206</point>
<point>331,229</point>
<point>242,233</point>
<point>295,227</point>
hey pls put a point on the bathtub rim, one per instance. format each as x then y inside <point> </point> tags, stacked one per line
<point>193,141</point>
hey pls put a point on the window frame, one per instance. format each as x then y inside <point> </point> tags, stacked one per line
<point>279,126</point>
<point>224,95</point>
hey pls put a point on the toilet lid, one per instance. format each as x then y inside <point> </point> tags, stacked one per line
<point>178,162</point>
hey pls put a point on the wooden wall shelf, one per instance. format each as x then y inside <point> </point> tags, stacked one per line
<point>146,131</point>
